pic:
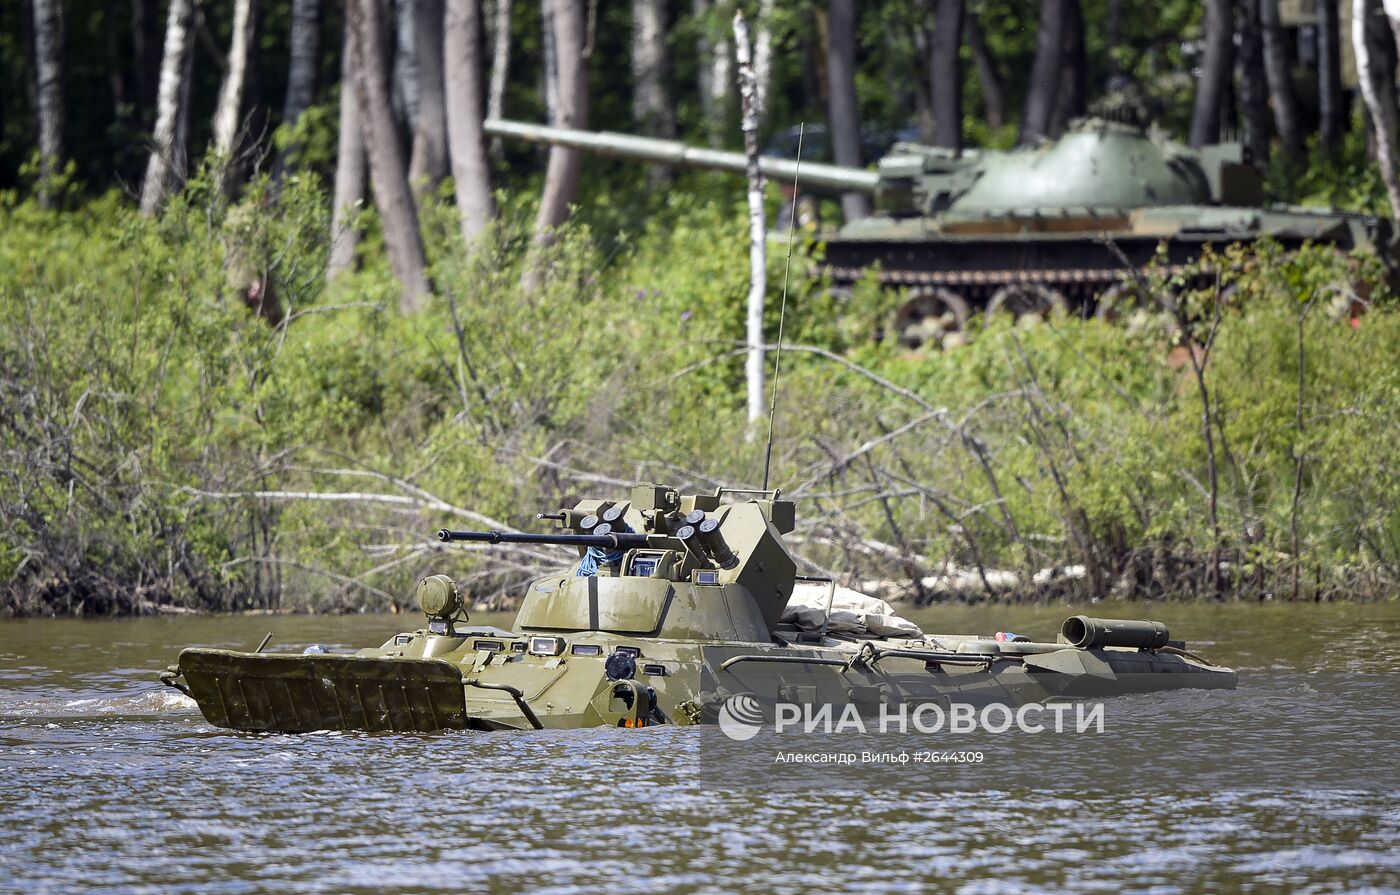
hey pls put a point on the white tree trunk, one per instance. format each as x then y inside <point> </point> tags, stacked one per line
<point>231,93</point>
<point>463,54</point>
<point>387,166</point>
<point>427,165</point>
<point>763,57</point>
<point>758,230</point>
<point>349,171</point>
<point>561,177</point>
<point>405,74</point>
<point>179,39</point>
<point>651,106</point>
<point>48,54</point>
<point>1383,114</point>
<point>500,65</point>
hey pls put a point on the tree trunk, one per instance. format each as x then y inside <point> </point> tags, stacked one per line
<point>1331,116</point>
<point>428,165</point>
<point>945,74</point>
<point>1283,98</point>
<point>1217,70</point>
<point>651,102</point>
<point>231,93</point>
<point>758,230</point>
<point>500,66</point>
<point>989,77</point>
<point>843,117</point>
<point>463,52</point>
<point>387,167</point>
<point>404,82</point>
<point>349,170</point>
<point>301,72</point>
<point>179,40</point>
<point>712,67</point>
<point>48,58</point>
<point>550,50</point>
<point>1074,67</point>
<point>763,58</point>
<point>1366,19</point>
<point>1045,72</point>
<point>1254,84</point>
<point>561,177</point>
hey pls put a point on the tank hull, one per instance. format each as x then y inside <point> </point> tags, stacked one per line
<point>393,689</point>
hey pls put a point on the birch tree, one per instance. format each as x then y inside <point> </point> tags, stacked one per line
<point>500,65</point>
<point>562,174</point>
<point>349,170</point>
<point>427,165</point>
<point>231,92</point>
<point>48,53</point>
<point>179,40</point>
<point>466,140</point>
<point>387,167</point>
<point>763,57</point>
<point>842,115</point>
<point>1366,18</point>
<point>758,229</point>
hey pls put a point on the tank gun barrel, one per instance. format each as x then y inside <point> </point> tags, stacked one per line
<point>611,541</point>
<point>815,176</point>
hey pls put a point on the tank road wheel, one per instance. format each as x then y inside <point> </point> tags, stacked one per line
<point>1127,304</point>
<point>1028,302</point>
<point>932,316</point>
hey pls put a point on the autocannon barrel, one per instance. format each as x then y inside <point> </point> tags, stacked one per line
<point>620,541</point>
<point>815,176</point>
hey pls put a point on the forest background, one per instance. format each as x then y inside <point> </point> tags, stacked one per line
<point>273,308</point>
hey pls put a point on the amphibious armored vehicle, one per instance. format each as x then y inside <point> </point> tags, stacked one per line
<point>1064,226</point>
<point>676,605</point>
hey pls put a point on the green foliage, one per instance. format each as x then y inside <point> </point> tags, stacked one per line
<point>164,446</point>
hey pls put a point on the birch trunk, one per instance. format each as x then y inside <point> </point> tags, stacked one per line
<point>349,171</point>
<point>463,53</point>
<point>1364,16</point>
<point>48,54</point>
<point>758,229</point>
<point>427,165</point>
<point>842,114</point>
<point>500,66</point>
<point>561,176</point>
<point>231,93</point>
<point>1217,68</point>
<point>945,74</point>
<point>305,43</point>
<point>387,167</point>
<point>179,39</point>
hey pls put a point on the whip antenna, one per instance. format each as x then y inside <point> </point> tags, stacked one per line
<point>782,308</point>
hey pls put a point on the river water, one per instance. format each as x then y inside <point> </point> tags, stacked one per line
<point>1290,783</point>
